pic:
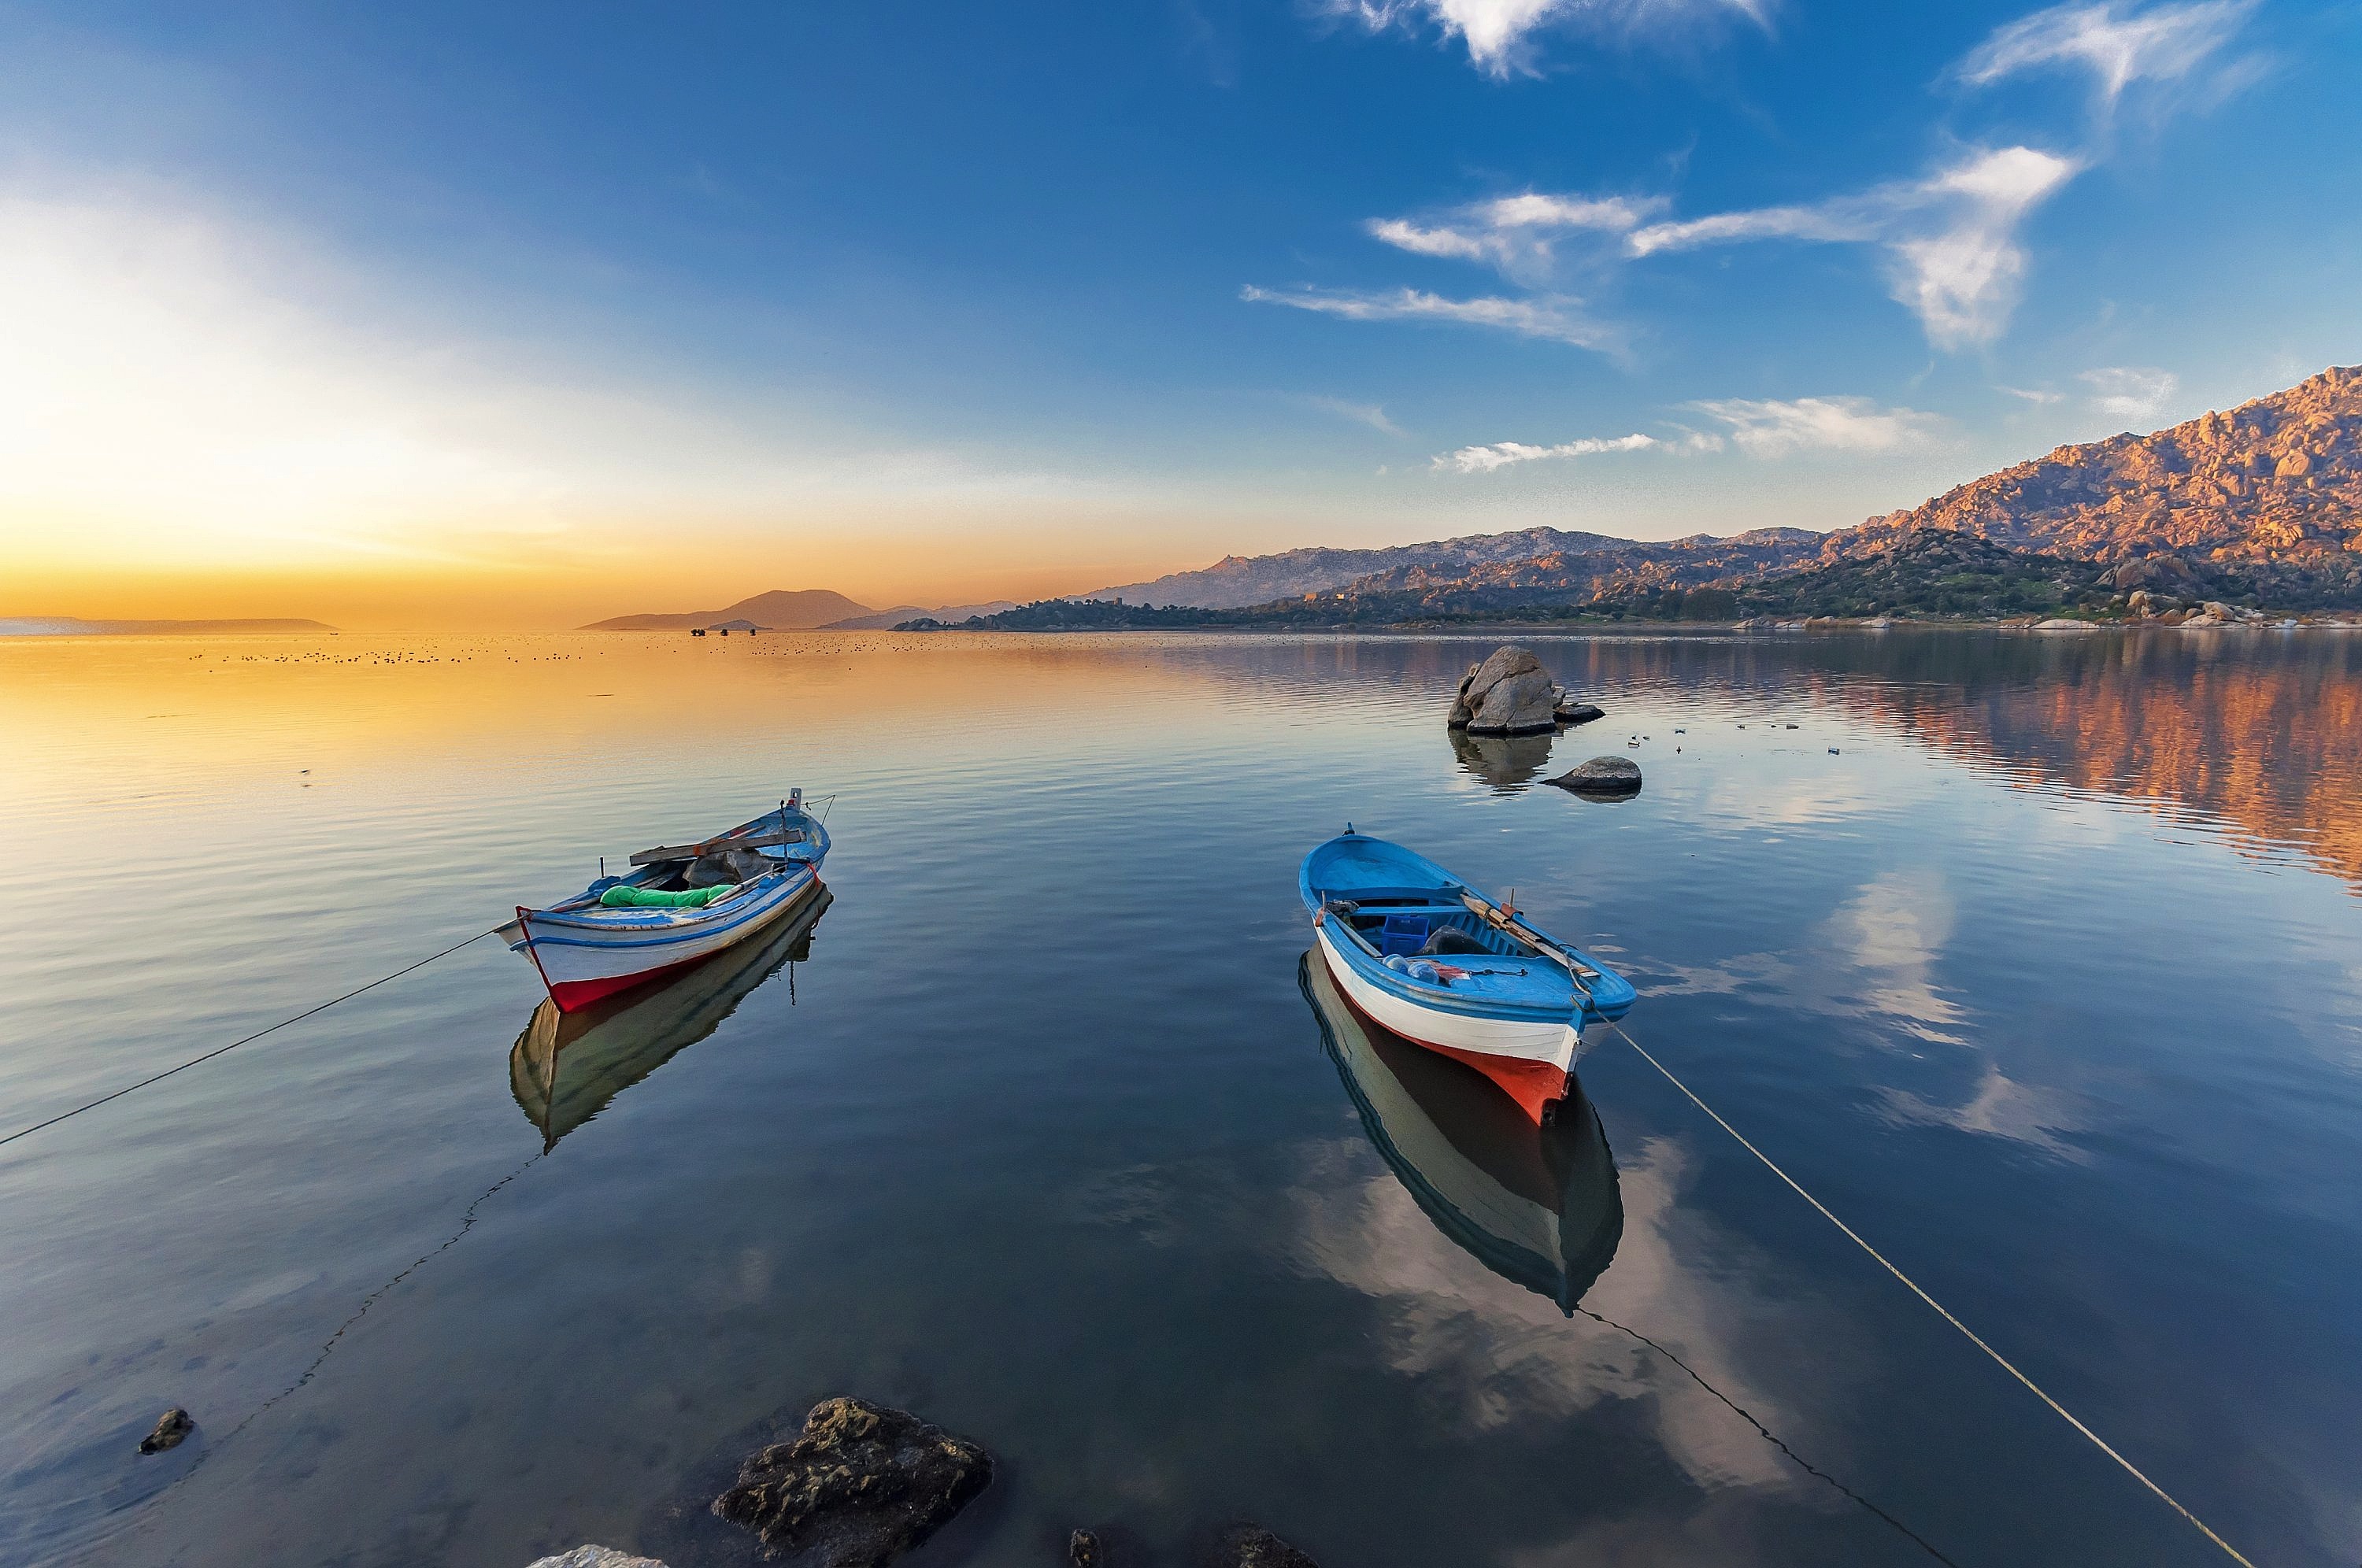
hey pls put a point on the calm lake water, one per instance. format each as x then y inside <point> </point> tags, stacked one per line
<point>2038,960</point>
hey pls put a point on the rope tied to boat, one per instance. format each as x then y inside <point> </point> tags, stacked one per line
<point>1941,1311</point>
<point>223,1050</point>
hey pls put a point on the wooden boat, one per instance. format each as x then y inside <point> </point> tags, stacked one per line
<point>1425,956</point>
<point>1538,1206</point>
<point>566,1067</point>
<point>608,938</point>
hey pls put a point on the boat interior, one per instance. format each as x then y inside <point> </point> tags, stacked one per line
<point>1415,923</point>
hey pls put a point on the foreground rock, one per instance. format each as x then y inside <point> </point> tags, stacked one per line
<point>1602,776</point>
<point>594,1557</point>
<point>1509,694</point>
<point>170,1428</point>
<point>1251,1546</point>
<point>1083,1551</point>
<point>857,1487</point>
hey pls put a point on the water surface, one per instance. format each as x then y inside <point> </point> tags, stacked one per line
<point>2038,960</point>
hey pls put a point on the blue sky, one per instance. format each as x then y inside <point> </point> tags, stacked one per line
<point>933,301</point>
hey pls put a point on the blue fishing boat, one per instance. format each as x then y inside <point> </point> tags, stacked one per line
<point>1422,953</point>
<point>678,906</point>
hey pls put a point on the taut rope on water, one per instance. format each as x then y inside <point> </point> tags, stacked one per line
<point>220,1050</point>
<point>1913,1286</point>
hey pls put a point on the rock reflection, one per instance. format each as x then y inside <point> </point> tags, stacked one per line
<point>1538,1206</point>
<point>1508,763</point>
<point>566,1067</point>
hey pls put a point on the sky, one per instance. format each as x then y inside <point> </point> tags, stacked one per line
<point>440,315</point>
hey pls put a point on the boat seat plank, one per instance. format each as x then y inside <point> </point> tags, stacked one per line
<point>716,846</point>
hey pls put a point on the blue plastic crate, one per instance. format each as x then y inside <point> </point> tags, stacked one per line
<point>1404,933</point>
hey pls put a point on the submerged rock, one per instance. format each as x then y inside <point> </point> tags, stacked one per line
<point>594,1557</point>
<point>1251,1546</point>
<point>170,1428</point>
<point>1602,776</point>
<point>1083,1551</point>
<point>857,1487</point>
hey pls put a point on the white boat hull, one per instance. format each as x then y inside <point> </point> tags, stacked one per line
<point>1529,1058</point>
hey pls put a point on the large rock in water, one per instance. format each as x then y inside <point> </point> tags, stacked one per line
<point>857,1487</point>
<point>1508,694</point>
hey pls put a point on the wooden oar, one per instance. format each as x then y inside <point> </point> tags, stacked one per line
<point>1502,920</point>
<point>691,851</point>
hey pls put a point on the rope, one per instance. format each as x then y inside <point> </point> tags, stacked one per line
<point>219,1050</point>
<point>1913,1286</point>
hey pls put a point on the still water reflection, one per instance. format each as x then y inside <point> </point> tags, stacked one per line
<point>1538,1205</point>
<point>566,1067</point>
<point>2037,959</point>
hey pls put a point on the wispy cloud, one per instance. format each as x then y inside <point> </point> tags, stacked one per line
<point>1370,414</point>
<point>1557,319</point>
<point>1499,33</point>
<point>2035,395</point>
<point>1515,234</point>
<point>1771,429</point>
<point>1501,454</point>
<point>2118,43</point>
<point>2130,392</point>
<point>1950,239</point>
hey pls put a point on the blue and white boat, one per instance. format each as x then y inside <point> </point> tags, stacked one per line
<point>1421,952</point>
<point>679,905</point>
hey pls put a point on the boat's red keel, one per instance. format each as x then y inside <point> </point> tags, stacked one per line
<point>1535,1086</point>
<point>573,996</point>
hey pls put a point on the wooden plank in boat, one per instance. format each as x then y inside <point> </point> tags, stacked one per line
<point>713,845</point>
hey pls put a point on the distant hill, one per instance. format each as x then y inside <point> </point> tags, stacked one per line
<point>2271,489</point>
<point>881,620</point>
<point>74,626</point>
<point>787,609</point>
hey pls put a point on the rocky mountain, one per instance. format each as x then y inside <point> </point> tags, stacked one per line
<point>2271,489</point>
<point>1609,567</point>
<point>1235,582</point>
<point>785,608</point>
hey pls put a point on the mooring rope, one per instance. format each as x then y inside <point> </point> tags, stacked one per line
<point>1913,1286</point>
<point>220,1050</point>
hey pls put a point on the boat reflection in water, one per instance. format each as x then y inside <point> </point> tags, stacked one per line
<point>566,1067</point>
<point>1536,1205</point>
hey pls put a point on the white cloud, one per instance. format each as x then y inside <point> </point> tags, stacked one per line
<point>1515,233</point>
<point>1554,318</point>
<point>1498,33</point>
<point>1501,454</point>
<point>2119,44</point>
<point>1950,239</point>
<point>1370,414</point>
<point>2130,392</point>
<point>2033,394</point>
<point>1769,428</point>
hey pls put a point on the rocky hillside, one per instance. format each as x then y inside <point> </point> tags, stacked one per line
<point>2271,489</point>
<point>1611,567</point>
<point>1236,581</point>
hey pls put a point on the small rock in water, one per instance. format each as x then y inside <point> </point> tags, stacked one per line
<point>594,1557</point>
<point>1580,712</point>
<point>1251,1546</point>
<point>1602,776</point>
<point>857,1487</point>
<point>1083,1551</point>
<point>170,1428</point>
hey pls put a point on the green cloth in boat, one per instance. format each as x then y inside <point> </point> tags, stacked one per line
<point>624,897</point>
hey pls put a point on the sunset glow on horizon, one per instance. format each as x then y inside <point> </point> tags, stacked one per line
<point>396,323</point>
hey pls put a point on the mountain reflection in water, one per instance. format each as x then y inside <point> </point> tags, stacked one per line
<point>566,1067</point>
<point>1538,1206</point>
